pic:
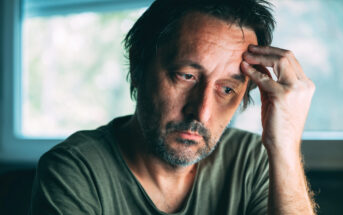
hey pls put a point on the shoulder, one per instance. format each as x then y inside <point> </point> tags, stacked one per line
<point>84,171</point>
<point>65,180</point>
<point>90,149</point>
<point>76,151</point>
<point>84,140</point>
<point>239,150</point>
<point>237,143</point>
<point>89,143</point>
<point>238,165</point>
<point>238,136</point>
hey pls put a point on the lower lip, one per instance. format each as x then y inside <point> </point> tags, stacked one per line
<point>190,136</point>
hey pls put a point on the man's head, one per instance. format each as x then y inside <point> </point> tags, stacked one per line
<point>161,22</point>
<point>185,61</point>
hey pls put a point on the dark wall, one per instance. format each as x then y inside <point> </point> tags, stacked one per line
<point>328,188</point>
<point>15,191</point>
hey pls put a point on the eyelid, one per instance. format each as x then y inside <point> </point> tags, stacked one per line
<point>181,74</point>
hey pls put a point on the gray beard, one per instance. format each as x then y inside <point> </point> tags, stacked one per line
<point>149,121</point>
<point>161,149</point>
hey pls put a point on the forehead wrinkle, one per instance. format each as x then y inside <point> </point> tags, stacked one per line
<point>201,33</point>
<point>212,43</point>
<point>233,45</point>
<point>194,50</point>
<point>226,34</point>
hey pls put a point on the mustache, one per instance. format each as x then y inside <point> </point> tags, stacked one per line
<point>193,125</point>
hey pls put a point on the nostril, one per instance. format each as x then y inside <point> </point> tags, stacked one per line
<point>190,117</point>
<point>189,112</point>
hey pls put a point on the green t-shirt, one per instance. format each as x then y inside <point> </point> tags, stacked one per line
<point>86,174</point>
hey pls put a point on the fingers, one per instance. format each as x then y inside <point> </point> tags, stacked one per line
<point>266,50</point>
<point>283,62</point>
<point>261,77</point>
<point>281,65</point>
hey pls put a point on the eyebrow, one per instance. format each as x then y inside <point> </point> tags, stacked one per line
<point>239,77</point>
<point>188,63</point>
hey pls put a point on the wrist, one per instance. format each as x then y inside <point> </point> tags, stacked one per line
<point>285,156</point>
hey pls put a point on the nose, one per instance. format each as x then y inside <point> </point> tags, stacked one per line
<point>199,104</point>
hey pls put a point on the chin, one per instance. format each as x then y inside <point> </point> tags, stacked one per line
<point>182,152</point>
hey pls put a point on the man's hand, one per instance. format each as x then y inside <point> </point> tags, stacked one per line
<point>285,104</point>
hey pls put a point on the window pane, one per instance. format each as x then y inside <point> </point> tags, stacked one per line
<point>313,30</point>
<point>74,72</point>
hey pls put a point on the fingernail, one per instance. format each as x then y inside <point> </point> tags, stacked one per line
<point>252,47</point>
<point>245,63</point>
<point>245,54</point>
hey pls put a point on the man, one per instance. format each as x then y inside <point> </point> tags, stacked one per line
<point>191,65</point>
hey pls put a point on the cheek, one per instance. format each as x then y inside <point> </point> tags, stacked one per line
<point>168,100</point>
<point>238,98</point>
<point>226,111</point>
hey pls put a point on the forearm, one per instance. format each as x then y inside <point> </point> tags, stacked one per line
<point>285,104</point>
<point>288,190</point>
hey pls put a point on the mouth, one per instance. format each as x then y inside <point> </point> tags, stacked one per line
<point>188,135</point>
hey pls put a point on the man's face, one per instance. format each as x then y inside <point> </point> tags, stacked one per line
<point>192,89</point>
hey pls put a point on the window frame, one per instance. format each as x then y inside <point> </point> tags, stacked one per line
<point>15,148</point>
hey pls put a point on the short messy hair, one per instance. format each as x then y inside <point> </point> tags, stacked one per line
<point>161,20</point>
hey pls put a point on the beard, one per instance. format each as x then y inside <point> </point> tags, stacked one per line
<point>157,139</point>
<point>161,148</point>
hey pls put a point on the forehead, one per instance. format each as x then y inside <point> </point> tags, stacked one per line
<point>203,38</point>
<point>198,26</point>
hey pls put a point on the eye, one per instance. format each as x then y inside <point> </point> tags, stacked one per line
<point>186,76</point>
<point>227,90</point>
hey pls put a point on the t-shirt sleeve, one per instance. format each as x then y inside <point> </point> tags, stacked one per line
<point>64,185</point>
<point>258,202</point>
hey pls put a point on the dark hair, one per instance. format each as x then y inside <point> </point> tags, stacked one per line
<point>160,21</point>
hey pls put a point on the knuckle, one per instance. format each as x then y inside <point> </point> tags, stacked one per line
<point>303,88</point>
<point>311,85</point>
<point>288,54</point>
<point>283,61</point>
<point>289,90</point>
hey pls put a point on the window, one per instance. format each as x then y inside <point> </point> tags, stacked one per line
<point>62,51</point>
<point>74,72</point>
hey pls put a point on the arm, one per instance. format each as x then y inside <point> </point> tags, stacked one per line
<point>285,104</point>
